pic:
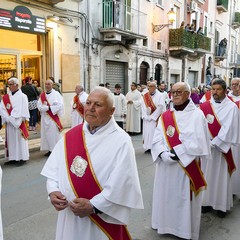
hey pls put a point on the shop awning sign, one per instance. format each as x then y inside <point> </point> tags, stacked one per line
<point>21,19</point>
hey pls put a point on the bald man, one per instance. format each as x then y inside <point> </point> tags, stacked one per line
<point>177,195</point>
<point>50,105</point>
<point>88,184</point>
<point>77,105</point>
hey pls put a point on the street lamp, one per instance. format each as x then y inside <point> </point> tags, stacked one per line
<point>171,18</point>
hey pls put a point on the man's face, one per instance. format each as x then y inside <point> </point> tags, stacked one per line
<point>218,92</point>
<point>152,88</point>
<point>117,90</point>
<point>48,86</point>
<point>97,110</point>
<point>235,85</point>
<point>78,89</point>
<point>179,94</point>
<point>133,87</point>
<point>162,87</point>
<point>12,87</point>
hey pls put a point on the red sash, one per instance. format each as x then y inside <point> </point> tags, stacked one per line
<point>149,102</point>
<point>208,95</point>
<point>193,170</point>
<point>88,186</point>
<point>214,128</point>
<point>77,105</point>
<point>238,104</point>
<point>55,118</point>
<point>8,106</point>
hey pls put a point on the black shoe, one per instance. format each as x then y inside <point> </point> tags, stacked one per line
<point>20,163</point>
<point>206,209</point>
<point>47,154</point>
<point>11,162</point>
<point>148,151</point>
<point>221,214</point>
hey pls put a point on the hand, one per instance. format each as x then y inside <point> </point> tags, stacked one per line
<point>45,108</point>
<point>166,157</point>
<point>81,207</point>
<point>130,102</point>
<point>7,119</point>
<point>58,200</point>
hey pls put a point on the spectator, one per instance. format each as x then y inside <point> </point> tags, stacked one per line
<point>222,47</point>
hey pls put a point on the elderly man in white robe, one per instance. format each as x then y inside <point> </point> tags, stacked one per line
<point>15,113</point>
<point>153,105</point>
<point>177,195</point>
<point>93,201</point>
<point>50,105</point>
<point>223,124</point>
<point>234,95</point>
<point>77,105</point>
<point>133,119</point>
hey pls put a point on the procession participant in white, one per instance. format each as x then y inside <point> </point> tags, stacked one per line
<point>15,113</point>
<point>223,124</point>
<point>77,105</point>
<point>153,106</point>
<point>120,104</point>
<point>162,90</point>
<point>234,95</point>
<point>177,195</point>
<point>50,105</point>
<point>133,123</point>
<point>93,188</point>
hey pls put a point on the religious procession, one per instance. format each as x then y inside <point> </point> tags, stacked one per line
<point>192,136</point>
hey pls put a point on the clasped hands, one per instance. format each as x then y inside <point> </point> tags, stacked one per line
<point>169,157</point>
<point>81,207</point>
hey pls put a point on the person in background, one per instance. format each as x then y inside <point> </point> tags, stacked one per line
<point>209,76</point>
<point>107,85</point>
<point>95,184</point>
<point>77,105</point>
<point>40,90</point>
<point>15,113</point>
<point>200,31</point>
<point>56,86</point>
<point>178,184</point>
<point>32,94</point>
<point>162,90</point>
<point>50,105</point>
<point>222,47</point>
<point>194,96</point>
<point>120,104</point>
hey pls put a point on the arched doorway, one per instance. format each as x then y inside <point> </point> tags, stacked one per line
<point>143,72</point>
<point>158,73</point>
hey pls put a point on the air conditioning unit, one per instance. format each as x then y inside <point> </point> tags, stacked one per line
<point>192,7</point>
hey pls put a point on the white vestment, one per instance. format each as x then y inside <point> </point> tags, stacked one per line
<point>173,211</point>
<point>150,120</point>
<point>219,190</point>
<point>113,160</point>
<point>236,156</point>
<point>17,145</point>
<point>49,130</point>
<point>120,105</point>
<point>1,229</point>
<point>133,123</point>
<point>76,116</point>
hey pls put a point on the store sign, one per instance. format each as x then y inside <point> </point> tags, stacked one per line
<point>21,19</point>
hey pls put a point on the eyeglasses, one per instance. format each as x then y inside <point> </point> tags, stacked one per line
<point>178,92</point>
<point>10,84</point>
<point>236,84</point>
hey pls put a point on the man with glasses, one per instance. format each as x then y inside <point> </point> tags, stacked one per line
<point>223,124</point>
<point>180,140</point>
<point>14,112</point>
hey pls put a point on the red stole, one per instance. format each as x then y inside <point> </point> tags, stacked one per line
<point>208,95</point>
<point>55,118</point>
<point>238,104</point>
<point>149,102</point>
<point>77,105</point>
<point>8,106</point>
<point>193,170</point>
<point>88,186</point>
<point>214,127</point>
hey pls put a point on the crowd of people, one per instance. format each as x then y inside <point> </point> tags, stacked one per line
<point>192,135</point>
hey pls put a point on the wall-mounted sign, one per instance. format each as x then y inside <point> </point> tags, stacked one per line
<point>21,19</point>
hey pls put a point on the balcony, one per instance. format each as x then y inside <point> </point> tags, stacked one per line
<point>222,5</point>
<point>236,22</point>
<point>121,23</point>
<point>50,2</point>
<point>183,43</point>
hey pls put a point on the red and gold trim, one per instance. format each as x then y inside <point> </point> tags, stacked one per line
<point>149,102</point>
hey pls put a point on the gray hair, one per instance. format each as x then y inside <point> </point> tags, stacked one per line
<point>14,80</point>
<point>106,92</point>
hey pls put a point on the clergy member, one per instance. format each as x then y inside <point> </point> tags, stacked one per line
<point>50,105</point>
<point>153,105</point>
<point>95,184</point>
<point>223,125</point>
<point>176,150</point>
<point>77,105</point>
<point>15,113</point>
<point>133,123</point>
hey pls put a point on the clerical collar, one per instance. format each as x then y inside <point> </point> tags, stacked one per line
<point>117,94</point>
<point>14,92</point>
<point>48,92</point>
<point>182,106</point>
<point>153,93</point>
